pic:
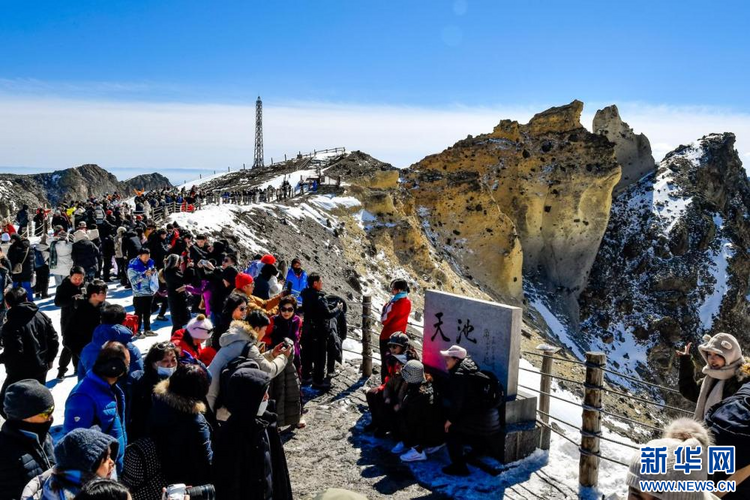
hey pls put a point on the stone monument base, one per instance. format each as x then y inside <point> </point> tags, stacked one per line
<point>521,433</point>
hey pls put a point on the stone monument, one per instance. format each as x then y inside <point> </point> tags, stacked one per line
<point>491,333</point>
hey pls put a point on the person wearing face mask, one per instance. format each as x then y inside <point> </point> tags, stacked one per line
<point>726,371</point>
<point>161,362</point>
<point>26,448</point>
<point>243,338</point>
<point>97,400</point>
<point>178,427</point>
<point>82,456</point>
<point>111,329</point>
<point>298,278</point>
<point>189,340</point>
<point>249,460</point>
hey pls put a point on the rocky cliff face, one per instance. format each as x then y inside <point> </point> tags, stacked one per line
<point>79,183</point>
<point>633,152</point>
<point>673,264</point>
<point>527,200</point>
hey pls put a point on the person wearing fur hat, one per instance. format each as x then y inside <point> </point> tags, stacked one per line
<point>82,456</point>
<point>26,448</point>
<point>681,432</point>
<point>726,370</point>
<point>192,338</point>
<point>419,420</point>
<point>242,334</point>
<point>178,427</point>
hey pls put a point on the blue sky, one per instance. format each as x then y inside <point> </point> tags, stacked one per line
<point>421,57</point>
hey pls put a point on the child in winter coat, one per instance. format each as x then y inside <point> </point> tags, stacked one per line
<point>385,401</point>
<point>726,371</point>
<point>419,426</point>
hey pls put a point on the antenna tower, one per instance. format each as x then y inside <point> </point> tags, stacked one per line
<point>258,161</point>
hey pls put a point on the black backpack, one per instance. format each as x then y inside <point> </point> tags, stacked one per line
<point>487,387</point>
<point>339,322</point>
<point>241,361</point>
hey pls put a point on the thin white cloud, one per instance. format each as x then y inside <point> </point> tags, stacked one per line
<point>59,133</point>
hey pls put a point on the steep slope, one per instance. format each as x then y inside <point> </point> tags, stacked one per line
<point>673,264</point>
<point>523,202</point>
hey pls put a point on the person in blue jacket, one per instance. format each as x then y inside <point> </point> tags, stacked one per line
<point>298,277</point>
<point>111,329</point>
<point>97,400</point>
<point>145,283</point>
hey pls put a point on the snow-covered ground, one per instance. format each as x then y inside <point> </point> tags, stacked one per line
<point>60,390</point>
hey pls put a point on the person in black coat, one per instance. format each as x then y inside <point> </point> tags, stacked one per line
<point>70,290</point>
<point>176,294</point>
<point>20,253</point>
<point>29,340</point>
<point>157,243</point>
<point>249,460</point>
<point>131,245</point>
<point>179,429</point>
<point>317,334</point>
<point>467,423</point>
<point>86,316</point>
<point>26,448</point>
<point>85,254</point>
<point>22,219</point>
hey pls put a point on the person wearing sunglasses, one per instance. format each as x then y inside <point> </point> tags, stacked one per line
<point>26,448</point>
<point>285,389</point>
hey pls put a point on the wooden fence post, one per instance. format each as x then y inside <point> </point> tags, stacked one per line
<point>544,387</point>
<point>366,325</point>
<point>588,469</point>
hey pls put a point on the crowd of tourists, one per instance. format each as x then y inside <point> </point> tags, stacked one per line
<point>205,407</point>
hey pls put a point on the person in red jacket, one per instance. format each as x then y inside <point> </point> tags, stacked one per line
<point>191,338</point>
<point>394,318</point>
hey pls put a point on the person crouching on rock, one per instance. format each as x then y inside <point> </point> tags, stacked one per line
<point>384,401</point>
<point>726,371</point>
<point>420,420</point>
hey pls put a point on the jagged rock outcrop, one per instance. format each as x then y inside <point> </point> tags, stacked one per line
<point>72,184</point>
<point>525,200</point>
<point>633,152</point>
<point>145,182</point>
<point>673,264</point>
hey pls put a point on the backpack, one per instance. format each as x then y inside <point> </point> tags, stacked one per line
<point>241,361</point>
<point>729,422</point>
<point>487,387</point>
<point>38,259</point>
<point>131,323</point>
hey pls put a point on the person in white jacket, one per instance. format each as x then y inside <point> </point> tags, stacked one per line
<point>61,260</point>
<point>233,342</point>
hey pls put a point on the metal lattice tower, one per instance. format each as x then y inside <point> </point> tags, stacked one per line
<point>258,161</point>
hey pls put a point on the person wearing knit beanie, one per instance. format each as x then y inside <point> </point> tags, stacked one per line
<point>268,259</point>
<point>726,370</point>
<point>25,399</point>
<point>413,372</point>
<point>82,456</point>
<point>243,280</point>
<point>681,432</point>
<point>200,328</point>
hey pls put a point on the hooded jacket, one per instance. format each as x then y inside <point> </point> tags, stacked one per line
<point>29,339</point>
<point>299,283</point>
<point>103,334</point>
<point>249,460</point>
<point>94,402</point>
<point>63,249</point>
<point>232,343</point>
<point>317,314</point>
<point>182,436</point>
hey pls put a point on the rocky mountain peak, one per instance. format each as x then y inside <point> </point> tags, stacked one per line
<point>558,119</point>
<point>633,151</point>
